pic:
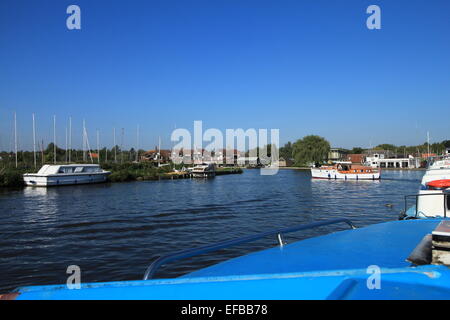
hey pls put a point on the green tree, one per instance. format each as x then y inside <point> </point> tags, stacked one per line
<point>357,150</point>
<point>386,146</point>
<point>446,143</point>
<point>286,151</point>
<point>310,149</point>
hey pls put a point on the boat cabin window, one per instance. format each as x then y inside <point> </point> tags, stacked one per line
<point>78,169</point>
<point>65,170</point>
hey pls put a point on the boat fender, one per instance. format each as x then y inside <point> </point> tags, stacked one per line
<point>439,184</point>
<point>421,254</point>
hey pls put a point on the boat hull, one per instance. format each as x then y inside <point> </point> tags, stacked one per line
<point>36,180</point>
<point>335,174</point>
<point>203,174</point>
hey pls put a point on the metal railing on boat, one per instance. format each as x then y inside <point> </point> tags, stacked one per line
<point>154,266</point>
<point>446,204</point>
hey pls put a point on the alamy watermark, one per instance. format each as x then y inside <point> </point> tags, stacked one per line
<point>374,280</point>
<point>73,22</point>
<point>213,146</point>
<point>374,20</point>
<point>74,280</point>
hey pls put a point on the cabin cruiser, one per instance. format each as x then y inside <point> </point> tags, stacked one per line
<point>55,175</point>
<point>204,170</point>
<point>433,199</point>
<point>346,171</point>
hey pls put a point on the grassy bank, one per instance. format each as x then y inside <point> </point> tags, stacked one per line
<point>135,171</point>
<point>228,170</point>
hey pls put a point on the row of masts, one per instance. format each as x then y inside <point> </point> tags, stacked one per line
<point>68,143</point>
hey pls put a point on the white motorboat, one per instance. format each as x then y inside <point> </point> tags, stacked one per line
<point>205,170</point>
<point>56,175</point>
<point>346,172</point>
<point>433,199</point>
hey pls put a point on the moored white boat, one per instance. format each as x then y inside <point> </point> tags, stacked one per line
<point>56,175</point>
<point>205,170</point>
<point>346,172</point>
<point>433,199</point>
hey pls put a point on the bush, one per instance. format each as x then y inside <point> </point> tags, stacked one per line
<point>120,176</point>
<point>11,178</point>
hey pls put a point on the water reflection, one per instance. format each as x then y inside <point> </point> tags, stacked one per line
<point>112,231</point>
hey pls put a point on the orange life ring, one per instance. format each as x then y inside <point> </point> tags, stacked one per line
<point>445,183</point>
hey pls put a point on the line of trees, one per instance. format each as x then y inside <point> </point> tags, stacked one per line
<point>315,149</point>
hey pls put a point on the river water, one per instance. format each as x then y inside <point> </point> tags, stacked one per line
<point>114,231</point>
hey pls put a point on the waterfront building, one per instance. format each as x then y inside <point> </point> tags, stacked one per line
<point>356,158</point>
<point>337,154</point>
<point>379,161</point>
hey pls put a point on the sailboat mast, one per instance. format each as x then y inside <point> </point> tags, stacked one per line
<point>98,146</point>
<point>115,146</point>
<point>87,144</point>
<point>15,136</point>
<point>159,151</point>
<point>121,146</point>
<point>137,145</point>
<point>54,139</point>
<point>34,141</point>
<point>84,140</point>
<point>66,146</point>
<point>70,138</point>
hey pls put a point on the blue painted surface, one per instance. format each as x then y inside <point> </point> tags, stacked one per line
<point>386,245</point>
<point>333,266</point>
<point>429,282</point>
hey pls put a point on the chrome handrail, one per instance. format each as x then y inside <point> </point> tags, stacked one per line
<point>154,266</point>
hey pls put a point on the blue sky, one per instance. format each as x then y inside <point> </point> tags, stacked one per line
<point>305,67</point>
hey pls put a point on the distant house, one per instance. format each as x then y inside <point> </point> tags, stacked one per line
<point>336,154</point>
<point>428,155</point>
<point>249,161</point>
<point>356,158</point>
<point>162,156</point>
<point>227,157</point>
<point>282,162</point>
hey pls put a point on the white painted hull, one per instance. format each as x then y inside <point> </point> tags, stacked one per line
<point>334,174</point>
<point>64,179</point>
<point>207,174</point>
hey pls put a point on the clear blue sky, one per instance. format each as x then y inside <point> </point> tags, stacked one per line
<point>305,67</point>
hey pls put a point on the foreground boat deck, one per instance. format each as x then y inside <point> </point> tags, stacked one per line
<point>333,266</point>
<point>386,245</point>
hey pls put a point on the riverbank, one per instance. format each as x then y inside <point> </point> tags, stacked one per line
<point>382,169</point>
<point>13,177</point>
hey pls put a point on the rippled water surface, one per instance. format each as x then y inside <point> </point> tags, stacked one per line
<point>113,231</point>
